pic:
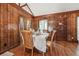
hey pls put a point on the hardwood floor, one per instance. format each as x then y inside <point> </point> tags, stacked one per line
<point>60,48</point>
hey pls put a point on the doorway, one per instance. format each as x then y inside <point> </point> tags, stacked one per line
<point>78,29</point>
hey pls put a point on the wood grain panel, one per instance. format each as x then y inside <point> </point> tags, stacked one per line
<point>4,26</point>
<point>9,25</point>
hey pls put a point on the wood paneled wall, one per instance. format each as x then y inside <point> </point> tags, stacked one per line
<point>72,25</point>
<point>67,31</point>
<point>9,25</point>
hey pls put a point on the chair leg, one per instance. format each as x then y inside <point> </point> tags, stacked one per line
<point>24,51</point>
<point>43,53</point>
<point>32,53</point>
<point>51,50</point>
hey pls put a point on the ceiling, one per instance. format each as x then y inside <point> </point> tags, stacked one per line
<point>48,8</point>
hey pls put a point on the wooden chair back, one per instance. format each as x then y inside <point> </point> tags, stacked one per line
<point>27,37</point>
<point>53,34</point>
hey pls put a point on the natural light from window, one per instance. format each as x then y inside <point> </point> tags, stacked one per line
<point>43,24</point>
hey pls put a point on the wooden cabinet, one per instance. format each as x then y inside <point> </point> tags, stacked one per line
<point>61,27</point>
<point>9,34</point>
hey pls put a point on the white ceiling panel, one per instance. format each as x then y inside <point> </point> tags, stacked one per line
<point>49,8</point>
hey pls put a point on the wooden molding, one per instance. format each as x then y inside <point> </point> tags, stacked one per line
<point>24,5</point>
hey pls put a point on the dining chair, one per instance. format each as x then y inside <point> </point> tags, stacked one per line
<point>50,43</point>
<point>27,40</point>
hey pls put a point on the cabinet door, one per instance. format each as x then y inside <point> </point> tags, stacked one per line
<point>3,23</point>
<point>9,31</point>
<point>13,27</point>
<point>16,27</point>
<point>10,26</point>
<point>4,26</point>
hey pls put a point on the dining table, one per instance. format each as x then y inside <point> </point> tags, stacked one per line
<point>39,41</point>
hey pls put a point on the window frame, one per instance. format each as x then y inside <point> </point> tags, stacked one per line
<point>44,26</point>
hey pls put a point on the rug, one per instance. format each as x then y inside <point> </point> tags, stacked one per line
<point>8,53</point>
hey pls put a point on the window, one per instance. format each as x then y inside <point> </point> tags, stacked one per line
<point>43,24</point>
<point>21,23</point>
<point>28,24</point>
<point>24,24</point>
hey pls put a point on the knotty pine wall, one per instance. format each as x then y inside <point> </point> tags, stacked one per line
<point>67,31</point>
<point>9,25</point>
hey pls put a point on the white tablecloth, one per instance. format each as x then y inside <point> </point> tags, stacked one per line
<point>40,41</point>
